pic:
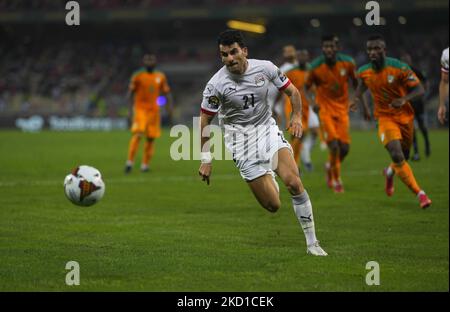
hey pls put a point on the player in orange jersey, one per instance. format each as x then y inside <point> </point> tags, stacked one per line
<point>296,72</point>
<point>146,85</point>
<point>393,85</point>
<point>330,74</point>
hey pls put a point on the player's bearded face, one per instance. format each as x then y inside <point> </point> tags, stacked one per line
<point>329,49</point>
<point>376,51</point>
<point>234,58</point>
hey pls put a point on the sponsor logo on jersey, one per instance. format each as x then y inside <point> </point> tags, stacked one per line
<point>343,72</point>
<point>390,78</point>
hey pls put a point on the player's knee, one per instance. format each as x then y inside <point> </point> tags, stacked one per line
<point>343,151</point>
<point>397,156</point>
<point>272,205</point>
<point>334,146</point>
<point>294,185</point>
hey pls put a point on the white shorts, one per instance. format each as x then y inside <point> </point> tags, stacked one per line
<point>253,148</point>
<point>313,119</point>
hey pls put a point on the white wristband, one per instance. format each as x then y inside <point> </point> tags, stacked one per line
<point>206,158</point>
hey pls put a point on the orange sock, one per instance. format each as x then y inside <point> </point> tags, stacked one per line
<point>149,149</point>
<point>296,147</point>
<point>404,172</point>
<point>133,147</point>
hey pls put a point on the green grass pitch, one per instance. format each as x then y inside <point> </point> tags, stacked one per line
<point>167,231</point>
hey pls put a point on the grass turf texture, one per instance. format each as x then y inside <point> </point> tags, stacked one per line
<point>167,231</point>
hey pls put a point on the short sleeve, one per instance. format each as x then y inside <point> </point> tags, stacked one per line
<point>276,76</point>
<point>133,83</point>
<point>409,78</point>
<point>444,61</point>
<point>211,100</point>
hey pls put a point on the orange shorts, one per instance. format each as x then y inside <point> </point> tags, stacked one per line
<point>390,130</point>
<point>147,122</point>
<point>335,127</point>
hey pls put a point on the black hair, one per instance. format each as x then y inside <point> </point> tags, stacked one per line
<point>374,37</point>
<point>330,37</point>
<point>228,37</point>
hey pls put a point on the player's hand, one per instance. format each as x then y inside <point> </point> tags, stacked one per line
<point>295,126</point>
<point>441,114</point>
<point>205,172</point>
<point>397,103</point>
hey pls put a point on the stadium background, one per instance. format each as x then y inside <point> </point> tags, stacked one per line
<point>166,230</point>
<point>48,68</point>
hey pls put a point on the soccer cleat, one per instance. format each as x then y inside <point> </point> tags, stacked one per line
<point>309,167</point>
<point>416,157</point>
<point>329,176</point>
<point>128,169</point>
<point>338,187</point>
<point>389,185</point>
<point>316,250</point>
<point>145,168</point>
<point>424,201</point>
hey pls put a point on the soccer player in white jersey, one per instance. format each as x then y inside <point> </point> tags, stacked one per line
<point>443,87</point>
<point>238,93</point>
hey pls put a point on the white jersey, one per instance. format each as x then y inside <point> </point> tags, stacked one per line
<point>444,61</point>
<point>242,100</point>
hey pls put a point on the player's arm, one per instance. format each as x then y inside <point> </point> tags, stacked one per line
<point>308,91</point>
<point>130,95</point>
<point>443,95</point>
<point>205,155</point>
<point>413,93</point>
<point>359,98</point>
<point>295,124</point>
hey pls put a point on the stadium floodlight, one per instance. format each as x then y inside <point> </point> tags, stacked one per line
<point>245,26</point>
<point>357,21</point>
<point>315,23</point>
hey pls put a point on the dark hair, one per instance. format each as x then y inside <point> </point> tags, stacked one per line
<point>374,37</point>
<point>329,37</point>
<point>228,37</point>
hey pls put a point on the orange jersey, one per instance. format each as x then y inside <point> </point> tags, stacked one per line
<point>332,83</point>
<point>147,87</point>
<point>298,78</point>
<point>390,83</point>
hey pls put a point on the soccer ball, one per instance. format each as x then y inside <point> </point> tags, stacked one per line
<point>84,186</point>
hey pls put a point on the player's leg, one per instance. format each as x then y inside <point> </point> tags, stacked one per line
<point>310,139</point>
<point>397,139</point>
<point>416,155</point>
<point>296,144</point>
<point>423,128</point>
<point>287,171</point>
<point>331,137</point>
<point>266,192</point>
<point>137,132</point>
<point>153,132</point>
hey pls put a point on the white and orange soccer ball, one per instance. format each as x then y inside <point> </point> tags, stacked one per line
<point>84,186</point>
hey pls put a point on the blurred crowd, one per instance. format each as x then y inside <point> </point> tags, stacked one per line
<point>14,5</point>
<point>90,76</point>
